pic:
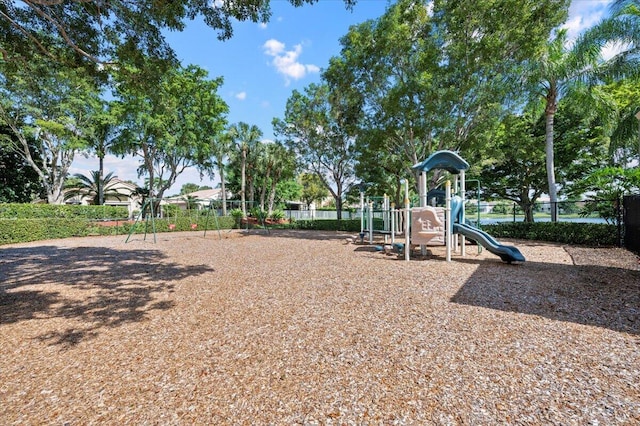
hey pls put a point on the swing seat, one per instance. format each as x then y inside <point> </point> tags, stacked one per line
<point>194,226</point>
<point>172,226</point>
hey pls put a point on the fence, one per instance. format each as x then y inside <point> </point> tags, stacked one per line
<point>631,209</point>
<point>591,211</point>
<point>318,214</point>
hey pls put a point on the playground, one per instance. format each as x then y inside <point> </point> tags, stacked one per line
<point>444,226</point>
<point>309,327</point>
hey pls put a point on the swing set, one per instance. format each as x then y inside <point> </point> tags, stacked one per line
<point>148,214</point>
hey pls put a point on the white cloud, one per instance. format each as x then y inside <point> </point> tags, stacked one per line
<point>273,47</point>
<point>241,96</point>
<point>584,14</point>
<point>263,25</point>
<point>286,62</point>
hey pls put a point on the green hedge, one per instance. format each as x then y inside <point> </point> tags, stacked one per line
<point>25,230</point>
<point>49,222</point>
<point>62,211</point>
<point>591,234</point>
<point>348,225</point>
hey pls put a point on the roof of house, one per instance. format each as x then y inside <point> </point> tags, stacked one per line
<point>205,194</point>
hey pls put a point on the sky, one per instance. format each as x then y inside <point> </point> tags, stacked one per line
<point>263,63</point>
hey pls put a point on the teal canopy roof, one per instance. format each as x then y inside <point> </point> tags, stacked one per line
<point>447,160</point>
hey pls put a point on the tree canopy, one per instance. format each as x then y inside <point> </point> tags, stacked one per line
<point>115,31</point>
<point>434,75</point>
<point>54,106</point>
<point>169,128</point>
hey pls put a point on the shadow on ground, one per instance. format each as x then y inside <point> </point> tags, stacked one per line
<point>99,287</point>
<point>299,234</point>
<point>584,294</point>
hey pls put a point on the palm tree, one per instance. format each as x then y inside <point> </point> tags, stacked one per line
<point>221,147</point>
<point>266,163</point>
<point>102,138</point>
<point>565,70</point>
<point>245,137</point>
<point>91,186</point>
<point>622,29</point>
<point>284,166</point>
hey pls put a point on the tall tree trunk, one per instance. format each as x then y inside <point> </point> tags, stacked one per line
<point>338,199</point>
<point>272,198</point>
<point>224,191</point>
<point>251,190</point>
<point>263,190</point>
<point>243,182</point>
<point>550,111</point>
<point>100,179</point>
<point>272,191</point>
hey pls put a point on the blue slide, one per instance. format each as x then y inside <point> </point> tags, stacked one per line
<point>507,253</point>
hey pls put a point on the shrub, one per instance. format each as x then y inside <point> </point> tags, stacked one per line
<point>349,225</point>
<point>258,213</point>
<point>237,215</point>
<point>501,208</point>
<point>32,211</point>
<point>591,234</point>
<point>276,215</point>
<point>25,230</point>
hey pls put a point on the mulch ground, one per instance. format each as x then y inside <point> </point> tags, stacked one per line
<point>308,328</point>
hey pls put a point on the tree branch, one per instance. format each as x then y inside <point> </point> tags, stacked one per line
<point>28,35</point>
<point>34,6</point>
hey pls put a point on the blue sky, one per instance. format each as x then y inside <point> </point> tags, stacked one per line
<point>262,64</point>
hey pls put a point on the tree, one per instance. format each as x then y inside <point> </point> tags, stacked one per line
<point>562,71</point>
<point>284,167</point>
<point>555,72</point>
<point>287,190</point>
<point>313,189</point>
<point>220,146</point>
<point>92,187</point>
<point>516,171</point>
<point>188,188</point>
<point>245,138</point>
<point>313,130</point>
<point>266,166</point>
<point>426,76</point>
<point>19,182</point>
<point>115,32</point>
<point>169,127</point>
<point>625,142</point>
<point>104,125</point>
<point>53,106</point>
<point>608,185</point>
<point>382,83</point>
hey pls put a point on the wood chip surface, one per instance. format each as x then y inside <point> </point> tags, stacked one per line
<point>303,327</point>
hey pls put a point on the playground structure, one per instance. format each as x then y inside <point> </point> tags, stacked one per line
<point>426,224</point>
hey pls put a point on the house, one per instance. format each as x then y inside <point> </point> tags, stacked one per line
<point>202,198</point>
<point>126,196</point>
